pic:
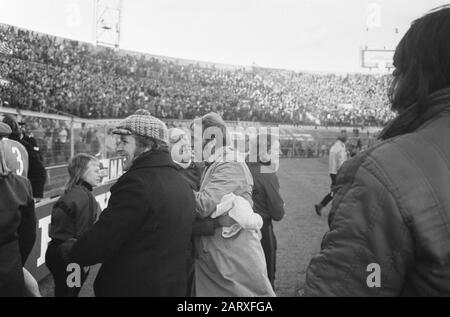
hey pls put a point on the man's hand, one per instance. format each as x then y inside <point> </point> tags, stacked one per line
<point>65,248</point>
<point>224,221</point>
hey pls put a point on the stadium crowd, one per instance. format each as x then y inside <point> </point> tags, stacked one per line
<point>45,73</point>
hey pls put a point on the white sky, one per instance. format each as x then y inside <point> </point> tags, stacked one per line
<point>319,35</point>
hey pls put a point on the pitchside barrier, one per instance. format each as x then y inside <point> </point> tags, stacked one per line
<point>61,137</point>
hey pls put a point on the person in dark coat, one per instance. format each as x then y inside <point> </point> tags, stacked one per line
<point>267,201</point>
<point>390,219</point>
<point>142,237</point>
<point>72,215</point>
<point>17,227</point>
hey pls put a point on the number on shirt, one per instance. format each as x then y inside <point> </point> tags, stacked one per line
<point>16,151</point>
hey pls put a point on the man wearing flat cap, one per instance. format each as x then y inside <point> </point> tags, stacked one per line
<point>142,237</point>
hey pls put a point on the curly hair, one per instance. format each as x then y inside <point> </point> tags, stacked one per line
<point>15,129</point>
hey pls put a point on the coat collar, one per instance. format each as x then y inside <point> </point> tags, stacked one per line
<point>86,185</point>
<point>158,158</point>
<point>410,120</point>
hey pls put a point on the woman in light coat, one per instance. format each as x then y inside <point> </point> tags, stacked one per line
<point>233,266</point>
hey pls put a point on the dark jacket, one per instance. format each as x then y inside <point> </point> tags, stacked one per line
<point>143,235</point>
<point>17,232</point>
<point>193,175</point>
<point>74,213</point>
<point>392,209</point>
<point>36,173</point>
<point>267,201</point>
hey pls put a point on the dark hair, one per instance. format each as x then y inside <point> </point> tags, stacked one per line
<point>15,129</point>
<point>422,61</point>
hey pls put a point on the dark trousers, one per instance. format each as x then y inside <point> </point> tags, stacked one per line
<point>57,267</point>
<point>269,245</point>
<point>326,200</point>
<point>37,185</point>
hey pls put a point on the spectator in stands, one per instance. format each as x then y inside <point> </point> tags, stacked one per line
<point>389,226</point>
<point>338,155</point>
<point>36,170</point>
<point>142,237</point>
<point>80,145</point>
<point>95,144</point>
<point>110,144</point>
<point>226,266</point>
<point>61,147</point>
<point>17,226</point>
<point>73,214</point>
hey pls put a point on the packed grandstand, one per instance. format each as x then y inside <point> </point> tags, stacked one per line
<point>48,74</point>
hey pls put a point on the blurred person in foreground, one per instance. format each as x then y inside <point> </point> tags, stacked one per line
<point>231,262</point>
<point>338,155</point>
<point>267,201</point>
<point>73,214</point>
<point>389,223</point>
<point>17,229</point>
<point>142,237</point>
<point>36,170</point>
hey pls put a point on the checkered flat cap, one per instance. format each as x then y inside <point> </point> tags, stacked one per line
<point>143,124</point>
